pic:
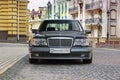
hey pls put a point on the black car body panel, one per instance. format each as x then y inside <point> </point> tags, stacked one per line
<point>60,44</point>
<point>75,53</point>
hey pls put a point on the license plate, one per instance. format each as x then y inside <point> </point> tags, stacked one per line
<point>60,50</point>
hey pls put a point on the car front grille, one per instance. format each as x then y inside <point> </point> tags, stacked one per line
<point>60,42</point>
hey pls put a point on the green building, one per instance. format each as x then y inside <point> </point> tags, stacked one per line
<point>58,9</point>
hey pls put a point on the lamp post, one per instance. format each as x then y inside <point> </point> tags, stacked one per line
<point>108,19</point>
<point>108,24</point>
<point>49,8</point>
<point>81,11</point>
<point>81,5</point>
<point>98,32</point>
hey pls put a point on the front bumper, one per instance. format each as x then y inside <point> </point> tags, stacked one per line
<point>75,53</point>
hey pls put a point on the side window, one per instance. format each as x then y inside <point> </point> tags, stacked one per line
<point>76,26</point>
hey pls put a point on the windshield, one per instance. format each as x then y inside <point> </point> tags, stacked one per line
<point>60,25</point>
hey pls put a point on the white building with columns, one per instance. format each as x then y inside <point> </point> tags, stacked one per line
<point>60,9</point>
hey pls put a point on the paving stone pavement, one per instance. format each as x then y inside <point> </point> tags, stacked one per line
<point>105,66</point>
<point>11,54</point>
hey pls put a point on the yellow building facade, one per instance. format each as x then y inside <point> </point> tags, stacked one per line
<point>13,19</point>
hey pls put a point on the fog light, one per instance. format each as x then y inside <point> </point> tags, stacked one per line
<point>82,55</point>
<point>36,55</point>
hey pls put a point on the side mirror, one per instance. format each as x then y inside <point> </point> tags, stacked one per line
<point>88,31</point>
<point>35,31</point>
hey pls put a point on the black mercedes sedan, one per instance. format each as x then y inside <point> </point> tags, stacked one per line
<point>60,39</point>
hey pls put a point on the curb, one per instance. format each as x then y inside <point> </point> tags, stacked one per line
<point>113,49</point>
<point>9,63</point>
<point>12,44</point>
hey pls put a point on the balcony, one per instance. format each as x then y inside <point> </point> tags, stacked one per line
<point>113,2</point>
<point>93,21</point>
<point>79,1</point>
<point>94,5</point>
<point>73,9</point>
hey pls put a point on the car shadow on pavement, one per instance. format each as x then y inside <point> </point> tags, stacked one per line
<point>60,62</point>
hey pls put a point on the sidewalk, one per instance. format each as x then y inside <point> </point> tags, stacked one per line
<point>13,41</point>
<point>10,54</point>
<point>106,45</point>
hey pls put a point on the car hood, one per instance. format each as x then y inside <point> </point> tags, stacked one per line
<point>73,34</point>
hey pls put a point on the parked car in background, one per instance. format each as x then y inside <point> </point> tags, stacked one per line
<point>60,39</point>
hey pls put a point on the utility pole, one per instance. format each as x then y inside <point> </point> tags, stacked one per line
<point>18,20</point>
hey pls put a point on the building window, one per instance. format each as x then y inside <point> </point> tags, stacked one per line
<point>113,14</point>
<point>113,31</point>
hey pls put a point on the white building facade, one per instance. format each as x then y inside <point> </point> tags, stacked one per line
<point>102,17</point>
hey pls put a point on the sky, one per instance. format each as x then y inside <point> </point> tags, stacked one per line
<point>34,4</point>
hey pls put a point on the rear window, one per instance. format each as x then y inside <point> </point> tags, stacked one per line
<point>60,25</point>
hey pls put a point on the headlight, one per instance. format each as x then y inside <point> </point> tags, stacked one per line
<point>82,42</point>
<point>38,42</point>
